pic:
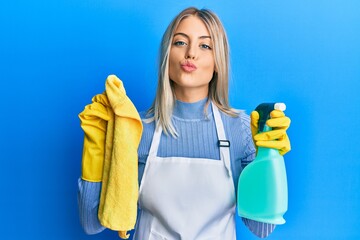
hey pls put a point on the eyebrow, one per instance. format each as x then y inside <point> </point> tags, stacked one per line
<point>185,35</point>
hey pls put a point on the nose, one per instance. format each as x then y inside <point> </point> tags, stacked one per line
<point>191,52</point>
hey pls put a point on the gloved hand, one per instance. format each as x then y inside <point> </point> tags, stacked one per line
<point>94,122</point>
<point>277,138</point>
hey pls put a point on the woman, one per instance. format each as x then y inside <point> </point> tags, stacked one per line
<point>188,180</point>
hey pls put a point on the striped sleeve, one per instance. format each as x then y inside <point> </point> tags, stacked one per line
<point>88,201</point>
<point>249,147</point>
<point>260,229</point>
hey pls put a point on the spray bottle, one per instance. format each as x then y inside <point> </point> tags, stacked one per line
<point>262,188</point>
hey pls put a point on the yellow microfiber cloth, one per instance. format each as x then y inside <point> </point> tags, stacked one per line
<point>119,193</point>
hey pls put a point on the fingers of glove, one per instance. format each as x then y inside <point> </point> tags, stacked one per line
<point>254,116</point>
<point>270,144</point>
<point>287,145</point>
<point>270,135</point>
<point>93,111</point>
<point>282,145</point>
<point>276,113</point>
<point>278,120</point>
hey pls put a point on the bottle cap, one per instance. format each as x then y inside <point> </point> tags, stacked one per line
<point>280,106</point>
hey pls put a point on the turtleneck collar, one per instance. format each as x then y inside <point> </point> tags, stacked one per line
<point>193,111</point>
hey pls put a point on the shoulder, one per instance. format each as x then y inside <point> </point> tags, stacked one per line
<point>238,131</point>
<point>147,121</point>
<point>147,135</point>
<point>240,122</point>
<point>143,114</point>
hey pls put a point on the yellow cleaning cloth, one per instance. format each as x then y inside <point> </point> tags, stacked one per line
<point>119,193</point>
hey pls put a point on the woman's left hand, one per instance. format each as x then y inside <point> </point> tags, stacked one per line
<point>276,138</point>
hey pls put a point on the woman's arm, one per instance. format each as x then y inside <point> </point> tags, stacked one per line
<point>88,201</point>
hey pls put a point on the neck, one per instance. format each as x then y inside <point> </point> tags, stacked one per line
<point>191,95</point>
<point>193,110</point>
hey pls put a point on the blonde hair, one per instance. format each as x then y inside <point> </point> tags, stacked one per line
<point>163,104</point>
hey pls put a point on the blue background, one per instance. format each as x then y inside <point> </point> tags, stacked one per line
<point>55,55</point>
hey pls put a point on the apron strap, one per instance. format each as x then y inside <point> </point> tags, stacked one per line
<point>224,144</point>
<point>155,140</point>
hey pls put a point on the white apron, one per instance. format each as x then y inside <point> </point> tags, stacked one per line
<point>187,198</point>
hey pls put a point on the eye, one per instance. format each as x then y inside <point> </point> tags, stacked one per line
<point>205,46</point>
<point>179,43</point>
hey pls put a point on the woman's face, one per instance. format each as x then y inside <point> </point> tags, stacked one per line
<point>191,60</point>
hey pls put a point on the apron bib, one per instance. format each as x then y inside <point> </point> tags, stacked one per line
<point>187,198</point>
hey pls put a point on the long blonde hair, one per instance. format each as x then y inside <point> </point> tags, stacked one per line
<point>163,104</point>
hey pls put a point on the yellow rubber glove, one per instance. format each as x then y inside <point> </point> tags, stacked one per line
<point>277,138</point>
<point>94,122</point>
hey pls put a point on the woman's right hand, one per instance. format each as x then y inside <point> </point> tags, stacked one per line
<point>276,138</point>
<point>94,123</point>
